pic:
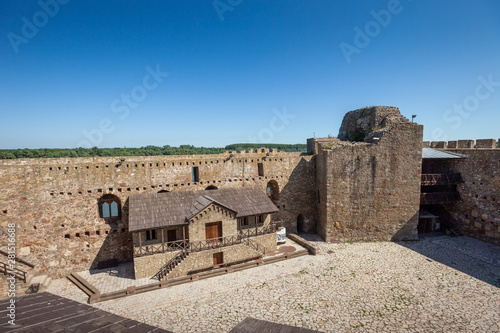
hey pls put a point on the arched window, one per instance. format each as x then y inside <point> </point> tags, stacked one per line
<point>273,190</point>
<point>114,209</point>
<point>211,187</point>
<point>109,207</point>
<point>105,210</point>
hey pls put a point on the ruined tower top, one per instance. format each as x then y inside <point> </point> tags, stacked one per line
<point>370,122</point>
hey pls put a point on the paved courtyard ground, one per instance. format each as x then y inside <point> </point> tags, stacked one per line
<point>439,284</point>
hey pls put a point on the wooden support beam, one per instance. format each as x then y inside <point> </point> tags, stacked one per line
<point>184,234</point>
<point>140,243</point>
<point>162,240</point>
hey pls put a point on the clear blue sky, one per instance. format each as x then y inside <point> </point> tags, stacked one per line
<point>233,65</point>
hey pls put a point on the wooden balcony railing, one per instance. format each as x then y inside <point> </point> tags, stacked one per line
<point>252,232</point>
<point>206,244</point>
<point>18,273</point>
<point>439,197</point>
<point>441,179</point>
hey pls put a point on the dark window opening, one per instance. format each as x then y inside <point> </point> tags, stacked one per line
<point>150,234</point>
<point>301,223</point>
<point>260,167</point>
<point>244,221</point>
<point>77,234</point>
<point>195,173</point>
<point>87,233</point>
<point>67,236</point>
<point>211,187</point>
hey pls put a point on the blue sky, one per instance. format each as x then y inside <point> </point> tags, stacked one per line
<point>85,73</point>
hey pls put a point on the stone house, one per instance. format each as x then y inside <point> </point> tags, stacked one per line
<point>179,233</point>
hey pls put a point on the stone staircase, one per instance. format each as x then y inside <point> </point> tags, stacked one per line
<point>170,265</point>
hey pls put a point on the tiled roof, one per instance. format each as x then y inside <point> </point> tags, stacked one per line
<point>157,210</point>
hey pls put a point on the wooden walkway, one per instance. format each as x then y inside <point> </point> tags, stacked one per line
<point>251,325</point>
<point>45,312</point>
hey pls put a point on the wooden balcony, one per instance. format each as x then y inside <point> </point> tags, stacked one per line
<point>441,179</point>
<point>208,244</point>
<point>438,198</point>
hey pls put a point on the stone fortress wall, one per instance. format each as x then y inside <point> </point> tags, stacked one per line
<point>54,202</point>
<point>363,186</point>
<point>478,212</point>
<point>368,180</point>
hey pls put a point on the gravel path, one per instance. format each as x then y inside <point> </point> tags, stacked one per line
<point>435,285</point>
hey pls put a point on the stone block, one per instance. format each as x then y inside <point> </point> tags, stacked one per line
<point>439,144</point>
<point>452,144</point>
<point>24,251</point>
<point>426,144</point>
<point>465,143</point>
<point>486,143</point>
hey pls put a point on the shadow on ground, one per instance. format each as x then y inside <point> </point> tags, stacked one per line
<point>476,258</point>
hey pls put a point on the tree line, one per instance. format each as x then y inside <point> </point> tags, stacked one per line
<point>142,151</point>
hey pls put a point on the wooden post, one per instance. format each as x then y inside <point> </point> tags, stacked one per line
<point>255,219</point>
<point>162,241</point>
<point>140,243</point>
<point>184,235</point>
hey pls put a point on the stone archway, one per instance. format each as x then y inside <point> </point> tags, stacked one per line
<point>211,187</point>
<point>273,190</point>
<point>163,191</point>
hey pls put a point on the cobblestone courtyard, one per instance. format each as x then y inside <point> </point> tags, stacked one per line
<point>438,284</point>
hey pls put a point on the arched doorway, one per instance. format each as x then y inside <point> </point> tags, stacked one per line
<point>301,224</point>
<point>110,208</point>
<point>273,190</point>
<point>163,191</point>
<point>211,187</point>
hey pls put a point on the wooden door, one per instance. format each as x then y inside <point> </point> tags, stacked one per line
<point>213,230</point>
<point>218,258</point>
<point>171,235</point>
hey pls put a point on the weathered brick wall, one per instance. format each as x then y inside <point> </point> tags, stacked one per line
<point>371,191</point>
<point>205,259</point>
<point>54,201</point>
<point>478,214</point>
<point>148,266</point>
<point>213,213</point>
<point>269,241</point>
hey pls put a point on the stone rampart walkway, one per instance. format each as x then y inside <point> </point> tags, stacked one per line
<point>436,285</point>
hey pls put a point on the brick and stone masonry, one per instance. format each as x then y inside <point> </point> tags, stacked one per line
<point>366,190</point>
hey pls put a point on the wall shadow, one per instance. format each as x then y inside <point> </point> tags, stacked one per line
<point>299,196</point>
<point>117,246</point>
<point>473,257</point>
